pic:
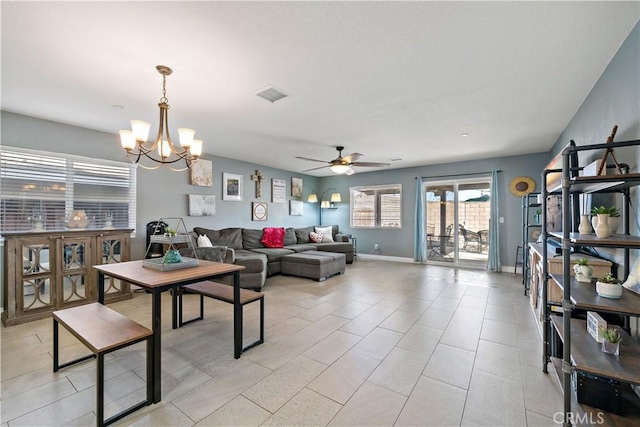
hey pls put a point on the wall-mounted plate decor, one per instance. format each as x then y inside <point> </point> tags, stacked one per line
<point>259,211</point>
<point>522,185</point>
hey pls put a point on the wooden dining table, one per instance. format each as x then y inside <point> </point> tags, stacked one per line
<point>156,282</point>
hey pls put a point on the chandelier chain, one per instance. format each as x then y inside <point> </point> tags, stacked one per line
<point>164,89</point>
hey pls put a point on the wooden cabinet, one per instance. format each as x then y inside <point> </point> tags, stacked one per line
<point>46,271</point>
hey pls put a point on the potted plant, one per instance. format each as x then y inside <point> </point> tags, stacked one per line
<point>583,271</point>
<point>609,286</point>
<point>600,221</point>
<point>537,215</point>
<point>610,340</point>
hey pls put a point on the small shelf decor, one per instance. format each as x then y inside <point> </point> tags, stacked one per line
<point>608,286</point>
<point>172,259</point>
<point>610,340</point>
<point>583,271</point>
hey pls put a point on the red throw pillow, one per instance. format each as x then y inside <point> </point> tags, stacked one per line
<point>273,237</point>
<point>315,237</point>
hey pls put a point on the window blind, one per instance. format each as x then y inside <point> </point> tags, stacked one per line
<point>50,185</point>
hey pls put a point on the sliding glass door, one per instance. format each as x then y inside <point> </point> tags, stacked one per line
<point>457,216</point>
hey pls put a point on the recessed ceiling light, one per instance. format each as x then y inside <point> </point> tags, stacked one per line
<point>464,134</point>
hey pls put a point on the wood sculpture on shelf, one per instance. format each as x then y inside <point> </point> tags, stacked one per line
<point>609,150</point>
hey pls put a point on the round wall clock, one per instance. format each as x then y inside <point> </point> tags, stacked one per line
<point>521,186</point>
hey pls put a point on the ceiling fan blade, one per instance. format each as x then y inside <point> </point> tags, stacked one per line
<point>312,160</point>
<point>369,164</point>
<point>352,157</point>
<point>315,169</point>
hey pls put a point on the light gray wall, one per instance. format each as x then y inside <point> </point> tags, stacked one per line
<point>614,100</point>
<point>400,242</point>
<point>163,192</point>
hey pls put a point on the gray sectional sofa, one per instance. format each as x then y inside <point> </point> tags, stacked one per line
<point>260,261</point>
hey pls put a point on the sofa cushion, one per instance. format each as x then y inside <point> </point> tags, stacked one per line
<point>327,235</point>
<point>273,237</point>
<point>290,236</point>
<point>204,242</point>
<point>252,238</point>
<point>273,254</point>
<point>302,234</point>
<point>231,237</point>
<point>302,247</point>
<point>253,262</point>
<point>316,237</point>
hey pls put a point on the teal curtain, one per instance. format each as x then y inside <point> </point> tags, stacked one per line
<point>493,262</point>
<point>420,243</point>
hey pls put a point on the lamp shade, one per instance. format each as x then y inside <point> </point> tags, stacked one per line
<point>340,169</point>
<point>335,198</point>
<point>312,198</point>
<point>325,204</point>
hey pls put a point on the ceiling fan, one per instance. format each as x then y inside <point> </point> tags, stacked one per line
<point>342,164</point>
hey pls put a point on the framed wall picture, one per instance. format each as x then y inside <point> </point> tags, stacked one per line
<point>296,187</point>
<point>278,190</point>
<point>259,211</point>
<point>202,173</point>
<point>295,207</point>
<point>231,187</point>
<point>202,205</point>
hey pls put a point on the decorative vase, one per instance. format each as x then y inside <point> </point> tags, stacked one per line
<point>609,290</point>
<point>602,229</point>
<point>585,225</point>
<point>78,219</point>
<point>611,347</point>
<point>583,273</point>
<point>614,223</point>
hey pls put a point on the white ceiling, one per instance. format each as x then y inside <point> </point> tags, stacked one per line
<point>386,79</point>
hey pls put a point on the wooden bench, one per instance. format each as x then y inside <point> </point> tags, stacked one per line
<point>222,292</point>
<point>103,331</point>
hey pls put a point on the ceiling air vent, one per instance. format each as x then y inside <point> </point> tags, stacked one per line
<point>272,94</point>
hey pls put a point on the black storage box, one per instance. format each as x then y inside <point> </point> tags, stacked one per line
<point>599,392</point>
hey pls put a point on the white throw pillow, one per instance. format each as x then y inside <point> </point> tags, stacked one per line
<point>204,242</point>
<point>327,237</point>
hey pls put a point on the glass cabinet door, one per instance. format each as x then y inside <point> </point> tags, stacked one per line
<point>34,275</point>
<point>75,267</point>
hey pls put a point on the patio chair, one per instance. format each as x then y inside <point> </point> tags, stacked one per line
<point>472,237</point>
<point>441,245</point>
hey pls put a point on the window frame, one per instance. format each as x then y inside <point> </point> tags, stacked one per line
<point>379,191</point>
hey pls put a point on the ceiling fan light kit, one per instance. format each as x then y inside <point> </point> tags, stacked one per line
<point>134,141</point>
<point>342,164</point>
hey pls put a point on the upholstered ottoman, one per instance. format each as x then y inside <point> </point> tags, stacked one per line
<point>313,264</point>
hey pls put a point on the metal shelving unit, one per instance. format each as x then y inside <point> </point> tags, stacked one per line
<point>580,352</point>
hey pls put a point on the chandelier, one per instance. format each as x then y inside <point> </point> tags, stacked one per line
<point>162,151</point>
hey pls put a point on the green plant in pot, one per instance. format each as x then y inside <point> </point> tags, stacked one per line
<point>537,215</point>
<point>583,271</point>
<point>611,338</point>
<point>609,286</point>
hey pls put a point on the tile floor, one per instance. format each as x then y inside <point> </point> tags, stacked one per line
<point>384,344</point>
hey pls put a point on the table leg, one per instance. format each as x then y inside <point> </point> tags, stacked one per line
<point>100,287</point>
<point>237,316</point>
<point>156,323</point>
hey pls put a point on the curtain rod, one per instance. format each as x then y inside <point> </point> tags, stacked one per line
<point>457,174</point>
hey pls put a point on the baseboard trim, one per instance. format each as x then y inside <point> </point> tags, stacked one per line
<point>385,258</point>
<point>508,269</point>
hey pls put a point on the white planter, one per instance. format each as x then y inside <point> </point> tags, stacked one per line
<point>583,273</point>
<point>609,290</point>
<point>602,229</point>
<point>614,223</point>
